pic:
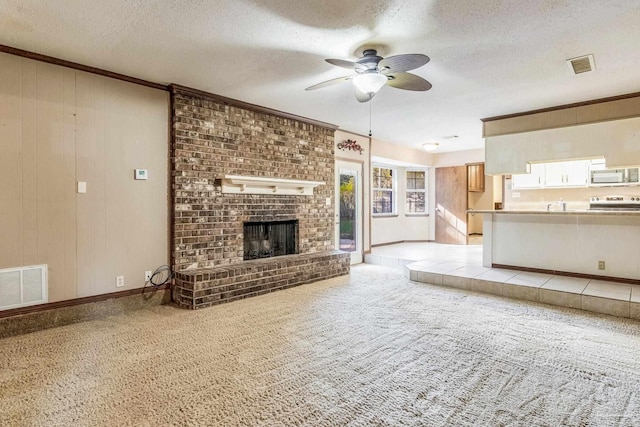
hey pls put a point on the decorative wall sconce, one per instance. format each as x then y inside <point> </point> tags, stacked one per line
<point>350,145</point>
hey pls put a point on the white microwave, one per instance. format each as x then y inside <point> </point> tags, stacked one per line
<point>620,176</point>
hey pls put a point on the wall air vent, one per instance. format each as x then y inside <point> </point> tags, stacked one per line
<point>23,286</point>
<point>581,64</point>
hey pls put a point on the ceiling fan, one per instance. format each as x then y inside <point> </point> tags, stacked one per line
<point>374,71</point>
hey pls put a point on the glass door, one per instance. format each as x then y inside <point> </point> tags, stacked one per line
<point>348,209</point>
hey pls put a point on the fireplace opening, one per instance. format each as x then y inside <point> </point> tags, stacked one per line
<point>269,239</point>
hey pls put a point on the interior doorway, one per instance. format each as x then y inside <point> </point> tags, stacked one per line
<point>451,205</point>
<point>349,204</point>
<point>479,198</point>
<point>484,193</point>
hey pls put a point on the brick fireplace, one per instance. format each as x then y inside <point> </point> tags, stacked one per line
<point>267,239</point>
<point>213,137</point>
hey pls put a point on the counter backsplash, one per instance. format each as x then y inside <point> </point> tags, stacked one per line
<point>555,206</point>
<point>576,198</point>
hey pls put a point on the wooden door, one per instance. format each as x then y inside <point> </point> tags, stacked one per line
<point>451,205</point>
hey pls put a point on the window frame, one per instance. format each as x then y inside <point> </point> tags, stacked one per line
<point>393,190</point>
<point>421,190</point>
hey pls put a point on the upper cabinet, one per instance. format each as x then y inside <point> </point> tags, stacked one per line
<point>573,173</point>
<point>475,177</point>
<point>533,179</point>
<point>567,174</point>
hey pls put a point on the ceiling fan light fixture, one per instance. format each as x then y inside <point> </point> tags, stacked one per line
<point>369,82</point>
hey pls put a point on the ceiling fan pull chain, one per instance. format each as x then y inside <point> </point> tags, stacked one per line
<point>370,118</point>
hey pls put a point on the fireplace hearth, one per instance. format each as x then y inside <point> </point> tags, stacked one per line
<point>231,163</point>
<point>270,239</point>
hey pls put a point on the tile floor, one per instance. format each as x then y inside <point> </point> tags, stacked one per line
<point>461,267</point>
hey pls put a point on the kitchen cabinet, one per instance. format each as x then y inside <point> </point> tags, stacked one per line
<point>574,173</point>
<point>566,174</point>
<point>475,177</point>
<point>533,179</point>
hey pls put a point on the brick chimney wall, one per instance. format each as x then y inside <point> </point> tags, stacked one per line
<point>212,138</point>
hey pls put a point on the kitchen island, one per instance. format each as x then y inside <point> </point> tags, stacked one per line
<point>574,241</point>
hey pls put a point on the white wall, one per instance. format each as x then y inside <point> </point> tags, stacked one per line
<point>569,243</point>
<point>402,153</point>
<point>459,158</point>
<point>618,141</point>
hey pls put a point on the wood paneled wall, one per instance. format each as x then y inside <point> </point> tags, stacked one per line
<point>59,126</point>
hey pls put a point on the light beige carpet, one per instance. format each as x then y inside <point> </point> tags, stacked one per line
<point>370,350</point>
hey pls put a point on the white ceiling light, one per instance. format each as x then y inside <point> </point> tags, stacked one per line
<point>430,146</point>
<point>369,82</point>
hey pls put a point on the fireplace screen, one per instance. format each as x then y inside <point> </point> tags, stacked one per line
<point>269,239</point>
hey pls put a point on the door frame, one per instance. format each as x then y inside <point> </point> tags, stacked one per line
<point>357,166</point>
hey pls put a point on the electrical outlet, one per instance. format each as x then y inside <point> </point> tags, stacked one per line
<point>600,265</point>
<point>119,281</point>
<point>147,275</point>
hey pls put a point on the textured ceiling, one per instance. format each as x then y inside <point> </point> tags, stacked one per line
<point>488,57</point>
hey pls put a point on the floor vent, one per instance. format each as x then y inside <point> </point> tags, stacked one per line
<point>582,64</point>
<point>23,286</point>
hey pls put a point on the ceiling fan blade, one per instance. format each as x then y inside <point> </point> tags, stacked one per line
<point>346,64</point>
<point>408,81</point>
<point>342,63</point>
<point>399,63</point>
<point>330,82</point>
<point>363,96</point>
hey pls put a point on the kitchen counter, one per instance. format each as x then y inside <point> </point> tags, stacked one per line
<point>572,241</point>
<point>559,212</point>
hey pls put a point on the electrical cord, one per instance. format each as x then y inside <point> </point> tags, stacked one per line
<point>161,276</point>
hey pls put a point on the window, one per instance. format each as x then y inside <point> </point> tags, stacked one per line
<point>416,192</point>
<point>383,189</point>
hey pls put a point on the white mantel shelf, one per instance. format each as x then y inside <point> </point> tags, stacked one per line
<point>237,184</point>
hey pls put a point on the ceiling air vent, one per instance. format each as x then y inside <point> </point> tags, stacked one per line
<point>581,64</point>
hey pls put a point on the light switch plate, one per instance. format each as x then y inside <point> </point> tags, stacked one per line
<point>141,174</point>
<point>82,187</point>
